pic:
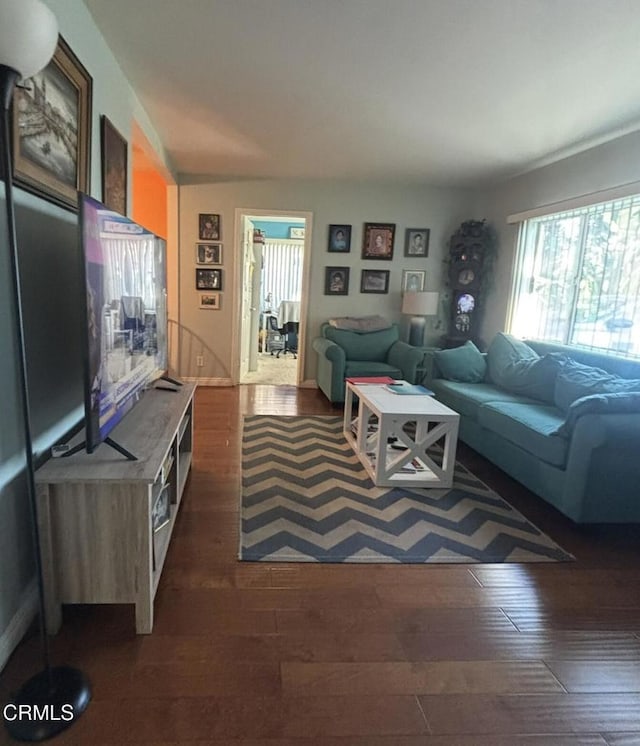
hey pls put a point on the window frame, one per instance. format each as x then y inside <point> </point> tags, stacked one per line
<point>607,239</point>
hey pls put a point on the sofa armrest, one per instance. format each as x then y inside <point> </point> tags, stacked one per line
<point>603,470</point>
<point>330,350</point>
<point>331,368</point>
<point>407,358</point>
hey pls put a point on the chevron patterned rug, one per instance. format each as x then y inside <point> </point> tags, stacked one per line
<point>307,498</point>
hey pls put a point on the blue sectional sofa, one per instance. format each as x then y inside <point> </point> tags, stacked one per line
<point>562,421</point>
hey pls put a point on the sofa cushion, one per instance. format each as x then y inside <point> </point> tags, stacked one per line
<point>467,398</point>
<point>465,363</point>
<point>363,346</point>
<point>531,426</point>
<point>503,351</point>
<point>576,381</point>
<point>533,377</point>
<point>621,403</point>
<point>370,368</point>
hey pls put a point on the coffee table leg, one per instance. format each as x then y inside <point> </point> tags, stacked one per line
<point>361,438</point>
<point>449,455</point>
<point>348,407</point>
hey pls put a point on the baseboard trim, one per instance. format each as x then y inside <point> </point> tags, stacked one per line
<point>20,622</point>
<point>209,381</point>
<point>308,384</point>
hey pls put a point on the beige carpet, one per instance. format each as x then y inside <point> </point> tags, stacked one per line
<point>273,370</point>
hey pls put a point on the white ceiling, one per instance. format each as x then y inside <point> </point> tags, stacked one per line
<point>453,92</point>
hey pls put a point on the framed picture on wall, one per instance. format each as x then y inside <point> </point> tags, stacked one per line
<point>336,281</point>
<point>114,167</point>
<point>209,253</point>
<point>377,241</point>
<point>413,280</point>
<point>339,238</point>
<point>209,227</point>
<point>416,242</point>
<point>210,301</point>
<point>374,281</point>
<point>208,279</point>
<point>52,130</point>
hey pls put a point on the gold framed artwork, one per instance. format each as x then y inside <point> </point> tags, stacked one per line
<point>52,130</point>
<point>377,240</point>
<point>210,301</point>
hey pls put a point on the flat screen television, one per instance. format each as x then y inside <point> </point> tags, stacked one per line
<point>124,269</point>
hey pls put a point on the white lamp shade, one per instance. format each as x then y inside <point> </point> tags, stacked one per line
<point>420,304</point>
<point>28,35</point>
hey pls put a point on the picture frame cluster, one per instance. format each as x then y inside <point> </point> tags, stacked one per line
<point>209,260</point>
<point>378,244</point>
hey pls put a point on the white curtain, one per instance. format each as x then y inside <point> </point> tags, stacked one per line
<point>281,272</point>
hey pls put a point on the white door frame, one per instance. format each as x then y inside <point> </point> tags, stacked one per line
<point>241,213</point>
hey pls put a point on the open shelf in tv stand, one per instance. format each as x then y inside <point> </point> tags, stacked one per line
<point>95,510</point>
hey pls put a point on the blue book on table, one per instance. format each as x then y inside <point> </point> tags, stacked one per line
<point>404,387</point>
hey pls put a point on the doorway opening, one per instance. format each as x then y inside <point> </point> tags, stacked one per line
<point>273,287</point>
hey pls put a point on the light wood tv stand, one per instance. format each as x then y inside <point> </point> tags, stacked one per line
<point>95,510</point>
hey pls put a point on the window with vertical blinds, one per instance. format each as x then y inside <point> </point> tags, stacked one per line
<point>282,270</point>
<point>577,278</point>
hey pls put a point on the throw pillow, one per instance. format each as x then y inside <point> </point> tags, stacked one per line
<point>503,351</point>
<point>533,377</point>
<point>621,403</point>
<point>576,381</point>
<point>465,364</point>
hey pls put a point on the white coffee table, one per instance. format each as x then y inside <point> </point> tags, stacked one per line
<point>390,412</point>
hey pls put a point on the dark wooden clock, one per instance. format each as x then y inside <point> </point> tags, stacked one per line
<point>469,249</point>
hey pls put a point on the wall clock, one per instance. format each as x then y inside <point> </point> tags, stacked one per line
<point>466,276</point>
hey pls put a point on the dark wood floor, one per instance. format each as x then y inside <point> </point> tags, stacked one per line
<point>333,655</point>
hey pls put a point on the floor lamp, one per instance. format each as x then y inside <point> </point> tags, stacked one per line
<point>419,305</point>
<point>54,698</point>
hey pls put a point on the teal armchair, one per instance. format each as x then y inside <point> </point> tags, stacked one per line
<point>343,353</point>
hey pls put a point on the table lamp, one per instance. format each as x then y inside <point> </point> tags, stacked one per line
<point>419,305</point>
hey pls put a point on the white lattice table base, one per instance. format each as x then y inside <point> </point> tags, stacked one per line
<point>390,454</point>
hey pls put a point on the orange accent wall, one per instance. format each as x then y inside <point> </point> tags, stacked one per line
<point>149,195</point>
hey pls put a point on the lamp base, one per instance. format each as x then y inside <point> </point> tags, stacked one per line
<point>47,704</point>
<point>416,331</point>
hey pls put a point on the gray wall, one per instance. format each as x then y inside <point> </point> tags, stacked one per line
<point>440,210</point>
<point>48,257</point>
<point>607,166</point>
